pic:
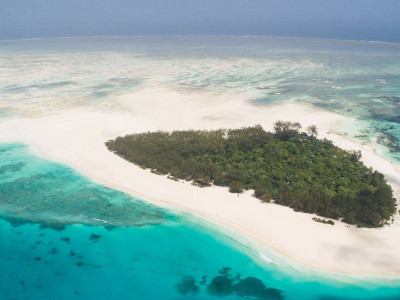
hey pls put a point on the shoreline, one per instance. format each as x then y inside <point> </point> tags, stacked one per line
<point>76,138</point>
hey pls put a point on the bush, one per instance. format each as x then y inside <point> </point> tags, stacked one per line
<point>330,222</point>
<point>236,187</point>
<point>261,192</point>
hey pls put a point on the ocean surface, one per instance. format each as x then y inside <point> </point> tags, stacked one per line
<point>85,241</point>
<point>356,79</point>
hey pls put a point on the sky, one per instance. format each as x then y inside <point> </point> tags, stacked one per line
<point>370,20</point>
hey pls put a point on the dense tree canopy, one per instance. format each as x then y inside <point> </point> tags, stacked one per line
<point>293,168</point>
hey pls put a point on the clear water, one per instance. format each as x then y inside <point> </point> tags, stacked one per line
<point>61,196</point>
<point>82,240</point>
<point>145,254</point>
<point>356,79</point>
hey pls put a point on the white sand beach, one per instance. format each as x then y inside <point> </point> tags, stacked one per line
<point>77,137</point>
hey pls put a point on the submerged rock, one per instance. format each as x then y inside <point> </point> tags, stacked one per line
<point>220,286</point>
<point>187,286</point>
<point>225,285</point>
<point>94,237</point>
<point>66,239</point>
<point>250,286</point>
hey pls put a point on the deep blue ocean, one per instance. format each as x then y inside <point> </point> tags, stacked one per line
<point>64,237</point>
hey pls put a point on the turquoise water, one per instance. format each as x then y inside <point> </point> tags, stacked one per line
<point>357,79</point>
<point>63,197</point>
<point>63,236</point>
<point>120,247</point>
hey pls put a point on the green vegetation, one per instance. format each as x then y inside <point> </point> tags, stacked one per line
<point>323,221</point>
<point>295,169</point>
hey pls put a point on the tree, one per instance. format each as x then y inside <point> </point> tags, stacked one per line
<point>315,176</point>
<point>355,155</point>
<point>312,130</point>
<point>286,130</point>
<point>236,187</point>
<point>261,192</point>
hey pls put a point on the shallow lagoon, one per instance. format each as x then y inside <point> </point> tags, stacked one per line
<point>357,79</point>
<point>146,253</point>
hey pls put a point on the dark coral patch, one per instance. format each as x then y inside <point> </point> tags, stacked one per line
<point>66,239</point>
<point>225,284</point>
<point>187,286</point>
<point>94,237</point>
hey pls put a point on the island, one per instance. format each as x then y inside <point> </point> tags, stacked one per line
<point>293,168</point>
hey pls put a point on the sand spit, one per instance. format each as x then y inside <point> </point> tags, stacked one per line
<point>77,137</point>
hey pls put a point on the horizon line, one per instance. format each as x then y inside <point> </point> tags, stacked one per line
<point>210,35</point>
